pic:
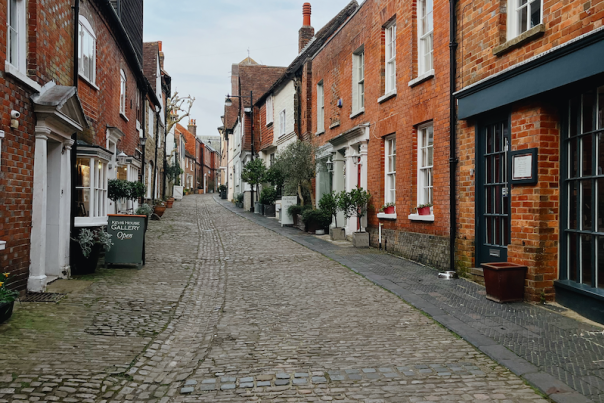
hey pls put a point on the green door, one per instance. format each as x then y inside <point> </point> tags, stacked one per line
<point>493,232</point>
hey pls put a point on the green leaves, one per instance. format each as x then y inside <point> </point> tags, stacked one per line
<point>253,172</point>
<point>122,189</point>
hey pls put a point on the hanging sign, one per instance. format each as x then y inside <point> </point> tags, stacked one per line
<point>128,237</point>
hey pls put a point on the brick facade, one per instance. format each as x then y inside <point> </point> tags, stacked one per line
<point>398,116</point>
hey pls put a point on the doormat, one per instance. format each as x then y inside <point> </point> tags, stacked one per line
<point>43,297</point>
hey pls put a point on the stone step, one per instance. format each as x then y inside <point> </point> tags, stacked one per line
<point>476,275</point>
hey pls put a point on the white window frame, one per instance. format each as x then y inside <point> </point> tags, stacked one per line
<point>422,165</point>
<point>122,92</point>
<point>97,192</point>
<point>17,58</point>
<point>270,113</point>
<point>390,58</point>
<point>151,122</point>
<point>358,81</point>
<point>320,107</point>
<point>425,35</point>
<point>282,123</point>
<point>514,23</point>
<point>86,31</point>
<point>390,169</point>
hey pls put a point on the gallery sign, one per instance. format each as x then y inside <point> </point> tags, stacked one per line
<point>128,237</point>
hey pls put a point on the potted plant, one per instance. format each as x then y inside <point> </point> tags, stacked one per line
<point>159,208</point>
<point>239,200</point>
<point>424,209</point>
<point>7,298</point>
<point>316,221</point>
<point>345,205</point>
<point>387,208</point>
<point>253,173</point>
<point>359,203</point>
<point>330,203</point>
<point>268,197</point>
<point>90,242</point>
<point>169,202</point>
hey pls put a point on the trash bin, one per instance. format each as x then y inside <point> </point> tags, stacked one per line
<point>504,281</point>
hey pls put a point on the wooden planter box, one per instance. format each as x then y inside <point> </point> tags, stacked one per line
<point>504,281</point>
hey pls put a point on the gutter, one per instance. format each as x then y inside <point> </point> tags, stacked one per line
<point>74,136</point>
<point>453,160</point>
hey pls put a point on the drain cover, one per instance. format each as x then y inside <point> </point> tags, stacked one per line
<point>43,297</point>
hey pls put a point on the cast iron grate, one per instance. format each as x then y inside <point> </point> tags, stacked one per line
<point>43,297</point>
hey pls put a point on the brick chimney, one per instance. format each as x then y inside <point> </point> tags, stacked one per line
<point>161,54</point>
<point>192,127</point>
<point>307,31</point>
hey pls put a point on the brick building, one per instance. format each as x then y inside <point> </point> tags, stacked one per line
<point>530,143</point>
<point>70,126</point>
<point>381,117</point>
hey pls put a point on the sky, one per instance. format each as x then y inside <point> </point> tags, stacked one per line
<point>203,41</point>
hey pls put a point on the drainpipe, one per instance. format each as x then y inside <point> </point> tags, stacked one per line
<point>453,132</point>
<point>144,123</point>
<point>74,137</point>
<point>163,180</point>
<point>155,159</point>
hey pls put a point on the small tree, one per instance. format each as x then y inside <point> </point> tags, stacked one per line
<point>297,162</point>
<point>329,203</point>
<point>253,173</point>
<point>274,176</point>
<point>345,204</point>
<point>360,202</point>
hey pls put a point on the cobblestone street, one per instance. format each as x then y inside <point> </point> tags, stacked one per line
<point>226,310</point>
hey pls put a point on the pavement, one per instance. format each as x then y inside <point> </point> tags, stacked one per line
<point>230,307</point>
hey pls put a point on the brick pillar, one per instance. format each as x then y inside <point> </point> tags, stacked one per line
<point>535,208</point>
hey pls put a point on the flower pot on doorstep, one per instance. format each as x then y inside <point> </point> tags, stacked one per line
<point>337,234</point>
<point>504,281</point>
<point>423,211</point>
<point>159,210</point>
<point>169,203</point>
<point>269,210</point>
<point>6,310</point>
<point>390,210</point>
<point>82,264</point>
<point>360,239</point>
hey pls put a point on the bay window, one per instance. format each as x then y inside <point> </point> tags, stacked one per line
<point>91,191</point>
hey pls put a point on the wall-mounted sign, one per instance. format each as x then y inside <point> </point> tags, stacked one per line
<point>524,166</point>
<point>128,237</point>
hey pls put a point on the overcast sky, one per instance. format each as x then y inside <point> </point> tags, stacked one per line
<point>202,38</point>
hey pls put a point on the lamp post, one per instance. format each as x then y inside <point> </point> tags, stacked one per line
<point>229,102</point>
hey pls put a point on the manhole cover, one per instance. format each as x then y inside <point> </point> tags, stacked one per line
<point>43,297</point>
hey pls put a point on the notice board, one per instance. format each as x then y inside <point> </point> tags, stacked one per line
<point>128,237</point>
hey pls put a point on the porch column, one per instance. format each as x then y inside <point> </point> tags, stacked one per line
<point>37,272</point>
<point>65,209</point>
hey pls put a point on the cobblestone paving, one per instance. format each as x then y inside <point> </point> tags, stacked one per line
<point>227,311</point>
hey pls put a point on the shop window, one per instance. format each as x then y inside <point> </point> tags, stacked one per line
<point>91,187</point>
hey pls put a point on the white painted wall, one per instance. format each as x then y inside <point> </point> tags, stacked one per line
<point>283,98</point>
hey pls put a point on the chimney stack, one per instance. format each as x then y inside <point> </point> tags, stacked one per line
<point>192,127</point>
<point>307,32</point>
<point>161,54</point>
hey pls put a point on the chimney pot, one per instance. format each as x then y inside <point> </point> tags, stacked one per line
<point>306,11</point>
<point>159,43</point>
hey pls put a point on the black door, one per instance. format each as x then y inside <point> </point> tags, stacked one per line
<point>493,232</point>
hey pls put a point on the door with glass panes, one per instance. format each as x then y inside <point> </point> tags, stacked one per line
<point>582,204</point>
<point>493,232</point>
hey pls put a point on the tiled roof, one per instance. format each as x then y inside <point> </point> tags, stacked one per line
<point>189,138</point>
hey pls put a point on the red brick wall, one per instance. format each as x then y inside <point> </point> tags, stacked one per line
<point>265,132</point>
<point>399,115</point>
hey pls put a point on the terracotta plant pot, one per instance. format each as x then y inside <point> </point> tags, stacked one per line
<point>169,203</point>
<point>6,310</point>
<point>390,210</point>
<point>504,281</point>
<point>159,210</point>
<point>423,211</point>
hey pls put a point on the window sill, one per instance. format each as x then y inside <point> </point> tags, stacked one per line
<point>357,113</point>
<point>90,221</point>
<point>521,39</point>
<point>384,216</point>
<point>334,124</point>
<point>420,79</point>
<point>15,73</point>
<point>124,117</point>
<point>87,81</point>
<point>2,245</point>
<point>417,217</point>
<point>387,96</point>
<point>320,133</point>
<point>269,124</point>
